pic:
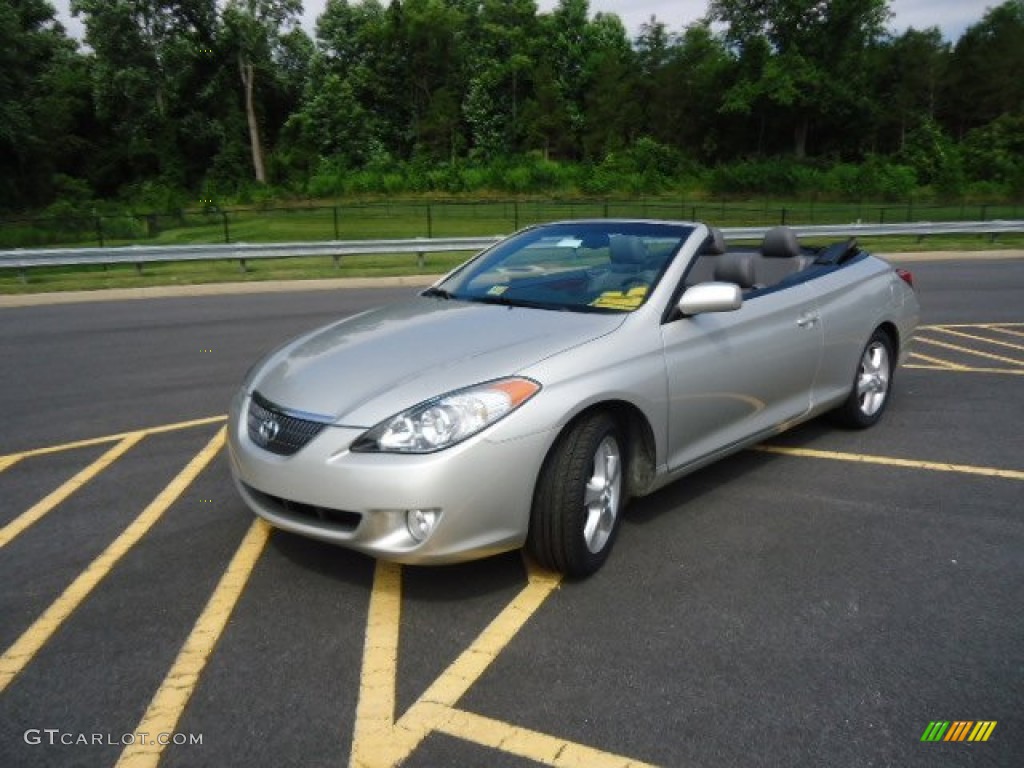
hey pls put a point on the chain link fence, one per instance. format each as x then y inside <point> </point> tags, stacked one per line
<point>401,219</point>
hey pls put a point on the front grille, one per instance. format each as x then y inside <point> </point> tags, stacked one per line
<point>278,430</point>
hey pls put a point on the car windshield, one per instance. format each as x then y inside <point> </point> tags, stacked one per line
<point>577,266</point>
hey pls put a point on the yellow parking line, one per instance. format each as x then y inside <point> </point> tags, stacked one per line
<point>1003,329</point>
<point>523,742</point>
<point>39,509</point>
<point>965,369</point>
<point>934,466</point>
<point>937,361</point>
<point>176,426</point>
<point>375,710</point>
<point>377,743</point>
<point>169,702</point>
<point>17,657</point>
<point>984,339</point>
<point>471,664</point>
<point>970,325</point>
<point>114,438</point>
<point>967,350</point>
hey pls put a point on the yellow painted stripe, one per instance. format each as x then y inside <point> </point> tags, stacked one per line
<point>373,748</point>
<point>983,339</point>
<point>969,351</point>
<point>168,705</point>
<point>890,461</point>
<point>8,461</point>
<point>977,731</point>
<point>937,361</point>
<point>970,325</point>
<point>45,505</point>
<point>17,657</point>
<point>114,438</point>
<point>1002,329</point>
<point>965,369</point>
<point>375,711</point>
<point>473,662</point>
<point>989,727</point>
<point>522,742</point>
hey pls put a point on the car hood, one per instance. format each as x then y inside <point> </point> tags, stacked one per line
<point>366,368</point>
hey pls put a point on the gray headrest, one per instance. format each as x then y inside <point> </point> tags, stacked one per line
<point>780,243</point>
<point>627,249</point>
<point>715,244</point>
<point>736,268</point>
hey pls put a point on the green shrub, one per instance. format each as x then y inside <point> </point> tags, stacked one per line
<point>776,177</point>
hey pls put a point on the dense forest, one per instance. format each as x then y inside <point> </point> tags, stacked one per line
<point>169,102</point>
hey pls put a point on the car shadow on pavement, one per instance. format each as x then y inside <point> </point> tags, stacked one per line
<point>459,581</point>
<point>322,558</point>
<point>680,497</point>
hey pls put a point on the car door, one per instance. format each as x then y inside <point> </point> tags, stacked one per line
<point>732,375</point>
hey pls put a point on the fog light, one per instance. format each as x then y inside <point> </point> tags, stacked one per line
<point>421,522</point>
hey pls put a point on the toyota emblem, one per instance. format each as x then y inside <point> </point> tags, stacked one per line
<point>268,430</point>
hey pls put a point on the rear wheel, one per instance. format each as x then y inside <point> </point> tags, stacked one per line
<point>580,495</point>
<point>871,385</point>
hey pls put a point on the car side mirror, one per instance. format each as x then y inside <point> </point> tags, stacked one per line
<point>710,297</point>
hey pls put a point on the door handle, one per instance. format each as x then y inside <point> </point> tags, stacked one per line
<point>807,320</point>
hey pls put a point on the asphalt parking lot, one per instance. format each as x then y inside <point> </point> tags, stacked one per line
<point>821,600</point>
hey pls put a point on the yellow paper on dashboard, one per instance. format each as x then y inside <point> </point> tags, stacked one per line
<point>625,300</point>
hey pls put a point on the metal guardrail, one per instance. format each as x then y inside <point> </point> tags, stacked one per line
<point>142,254</point>
<point>920,229</point>
<point>138,255</point>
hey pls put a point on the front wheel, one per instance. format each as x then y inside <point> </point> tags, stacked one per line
<point>580,495</point>
<point>871,385</point>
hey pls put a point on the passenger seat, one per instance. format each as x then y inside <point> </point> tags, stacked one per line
<point>781,256</point>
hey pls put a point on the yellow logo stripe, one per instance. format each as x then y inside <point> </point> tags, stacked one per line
<point>982,730</point>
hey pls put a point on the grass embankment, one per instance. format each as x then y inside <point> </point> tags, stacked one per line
<point>423,219</point>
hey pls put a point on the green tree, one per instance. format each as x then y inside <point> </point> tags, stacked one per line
<point>994,154</point>
<point>915,65</point>
<point>562,78</point>
<point>435,71</point>
<point>44,94</point>
<point>150,63</point>
<point>654,90</point>
<point>816,56</point>
<point>699,71</point>
<point>610,75</point>
<point>502,63</point>
<point>986,71</point>
<point>257,31</point>
<point>547,117</point>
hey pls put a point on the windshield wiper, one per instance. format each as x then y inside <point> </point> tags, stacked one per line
<point>439,293</point>
<point>504,301</point>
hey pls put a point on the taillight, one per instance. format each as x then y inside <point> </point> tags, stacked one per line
<point>906,276</point>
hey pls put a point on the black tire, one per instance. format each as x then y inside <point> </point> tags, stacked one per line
<point>872,384</point>
<point>575,519</point>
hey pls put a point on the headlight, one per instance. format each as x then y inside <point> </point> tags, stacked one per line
<point>449,419</point>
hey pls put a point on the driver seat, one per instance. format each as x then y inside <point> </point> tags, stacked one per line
<point>736,268</point>
<point>628,259</point>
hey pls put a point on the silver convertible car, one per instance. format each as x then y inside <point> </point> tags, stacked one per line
<point>526,397</point>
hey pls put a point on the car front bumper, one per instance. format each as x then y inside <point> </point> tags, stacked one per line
<point>480,491</point>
